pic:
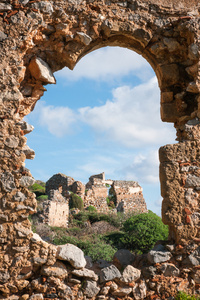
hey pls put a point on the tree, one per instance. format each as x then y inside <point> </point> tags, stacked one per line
<point>143,231</point>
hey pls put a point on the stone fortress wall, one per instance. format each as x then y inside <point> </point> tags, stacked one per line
<point>128,197</point>
<point>38,38</point>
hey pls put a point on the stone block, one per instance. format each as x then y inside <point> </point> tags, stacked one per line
<point>130,274</point>
<point>109,273</point>
<point>167,97</point>
<point>7,181</point>
<point>90,288</point>
<point>57,270</point>
<point>123,258</point>
<point>170,75</point>
<point>158,254</point>
<point>169,112</point>
<point>72,254</point>
<point>85,273</point>
<point>41,71</point>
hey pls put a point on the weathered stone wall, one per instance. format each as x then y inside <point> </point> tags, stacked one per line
<point>60,182</point>
<point>38,38</point>
<point>179,175</point>
<point>55,211</point>
<point>129,197</point>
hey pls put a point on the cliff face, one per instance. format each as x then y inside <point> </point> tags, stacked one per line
<point>38,38</point>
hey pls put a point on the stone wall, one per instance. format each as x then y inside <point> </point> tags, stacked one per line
<point>38,38</point>
<point>55,211</point>
<point>60,182</point>
<point>129,197</point>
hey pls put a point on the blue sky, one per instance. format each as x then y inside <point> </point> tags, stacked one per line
<point>102,116</point>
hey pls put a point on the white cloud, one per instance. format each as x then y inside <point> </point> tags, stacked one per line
<point>143,168</point>
<point>58,120</point>
<point>109,64</point>
<point>132,117</point>
<point>99,163</point>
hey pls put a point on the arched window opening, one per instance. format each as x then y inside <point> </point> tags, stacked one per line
<point>104,116</point>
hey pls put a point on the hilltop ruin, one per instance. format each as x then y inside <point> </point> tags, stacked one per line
<point>127,195</point>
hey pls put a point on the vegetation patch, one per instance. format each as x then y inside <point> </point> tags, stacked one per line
<point>143,231</point>
<point>184,296</point>
<point>75,202</point>
<point>101,235</point>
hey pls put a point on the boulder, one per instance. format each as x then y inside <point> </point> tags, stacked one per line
<point>72,254</point>
<point>123,258</point>
<point>90,288</point>
<point>109,273</point>
<point>85,273</point>
<point>193,259</point>
<point>57,270</point>
<point>103,263</point>
<point>130,274</point>
<point>158,254</point>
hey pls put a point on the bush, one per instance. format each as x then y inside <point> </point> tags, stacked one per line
<point>143,231</point>
<point>114,238</point>
<point>184,296</point>
<point>42,197</point>
<point>113,219</point>
<point>75,202</point>
<point>91,208</point>
<point>37,189</point>
<point>97,250</point>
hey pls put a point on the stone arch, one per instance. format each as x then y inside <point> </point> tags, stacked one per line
<point>58,34</point>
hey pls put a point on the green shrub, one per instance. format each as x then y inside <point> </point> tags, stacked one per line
<point>114,219</point>
<point>37,189</point>
<point>108,200</point>
<point>91,208</point>
<point>42,197</point>
<point>65,240</point>
<point>96,248</point>
<point>114,238</point>
<point>75,202</point>
<point>184,296</point>
<point>143,231</point>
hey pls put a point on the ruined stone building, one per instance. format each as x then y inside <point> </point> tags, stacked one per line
<point>38,38</point>
<point>127,195</point>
